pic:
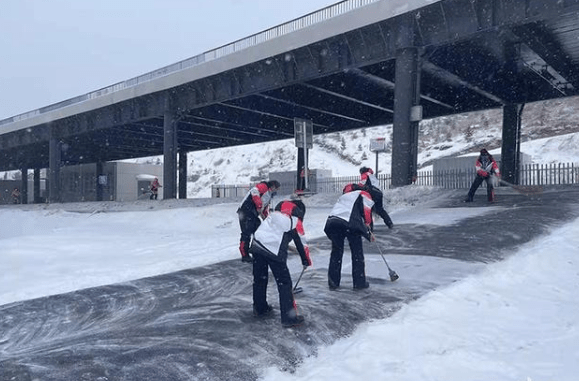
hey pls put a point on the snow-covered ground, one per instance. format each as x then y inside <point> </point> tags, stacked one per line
<point>513,320</point>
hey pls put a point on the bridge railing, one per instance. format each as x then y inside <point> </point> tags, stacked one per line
<point>244,43</point>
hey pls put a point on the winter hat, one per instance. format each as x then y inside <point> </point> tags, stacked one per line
<point>351,187</point>
<point>302,208</point>
<point>484,151</point>
<point>273,184</point>
<point>292,208</point>
<point>366,169</point>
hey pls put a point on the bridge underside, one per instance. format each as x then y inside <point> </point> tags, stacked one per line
<point>470,55</point>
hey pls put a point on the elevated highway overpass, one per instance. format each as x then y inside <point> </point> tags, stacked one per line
<point>355,64</point>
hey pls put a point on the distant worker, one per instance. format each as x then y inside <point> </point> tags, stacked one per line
<point>269,249</point>
<point>155,188</point>
<point>254,205</point>
<point>371,183</point>
<point>16,196</point>
<point>350,218</point>
<point>485,166</point>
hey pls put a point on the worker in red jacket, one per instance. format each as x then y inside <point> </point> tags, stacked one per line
<point>155,185</point>
<point>254,205</point>
<point>486,167</point>
<point>269,249</point>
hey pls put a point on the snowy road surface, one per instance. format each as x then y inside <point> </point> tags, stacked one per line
<point>198,324</point>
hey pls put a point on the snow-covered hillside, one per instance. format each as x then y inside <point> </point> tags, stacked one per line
<point>547,127</point>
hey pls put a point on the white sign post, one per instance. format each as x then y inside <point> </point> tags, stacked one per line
<point>304,135</point>
<point>377,145</point>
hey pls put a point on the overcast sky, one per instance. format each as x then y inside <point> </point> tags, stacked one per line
<point>54,50</point>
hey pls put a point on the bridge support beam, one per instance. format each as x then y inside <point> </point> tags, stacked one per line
<point>511,143</point>
<point>170,155</point>
<point>54,162</point>
<point>36,185</point>
<point>99,185</point>
<point>182,174</point>
<point>405,131</point>
<point>24,186</point>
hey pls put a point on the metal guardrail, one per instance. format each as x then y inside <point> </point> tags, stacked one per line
<point>236,46</point>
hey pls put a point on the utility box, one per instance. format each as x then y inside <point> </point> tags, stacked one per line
<point>288,184</point>
<point>118,181</point>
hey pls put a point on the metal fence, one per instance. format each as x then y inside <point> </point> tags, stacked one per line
<point>550,174</point>
<point>532,174</point>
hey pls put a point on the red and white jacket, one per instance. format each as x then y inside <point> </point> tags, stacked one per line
<point>273,236</point>
<point>353,210</point>
<point>485,168</point>
<point>256,201</point>
<point>368,178</point>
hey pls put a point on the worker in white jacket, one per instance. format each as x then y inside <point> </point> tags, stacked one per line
<point>351,218</point>
<point>269,249</point>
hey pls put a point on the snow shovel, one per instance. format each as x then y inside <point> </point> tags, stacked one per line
<point>527,190</point>
<point>296,289</point>
<point>393,276</point>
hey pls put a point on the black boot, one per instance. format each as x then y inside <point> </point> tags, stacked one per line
<point>332,285</point>
<point>268,311</point>
<point>293,322</point>
<point>362,286</point>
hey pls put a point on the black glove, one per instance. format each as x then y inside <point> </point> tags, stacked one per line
<point>247,259</point>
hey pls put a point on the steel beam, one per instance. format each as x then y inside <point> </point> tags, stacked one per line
<point>170,155</point>
<point>54,168</point>
<point>511,142</point>
<point>405,131</point>
<point>182,174</point>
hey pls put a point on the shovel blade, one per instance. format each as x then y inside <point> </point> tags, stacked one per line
<point>393,276</point>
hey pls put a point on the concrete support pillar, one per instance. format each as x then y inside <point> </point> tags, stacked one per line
<point>511,142</point>
<point>24,186</point>
<point>36,185</point>
<point>99,181</point>
<point>54,160</point>
<point>182,174</point>
<point>405,124</point>
<point>170,155</point>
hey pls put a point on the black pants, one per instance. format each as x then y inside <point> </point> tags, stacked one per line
<point>283,279</point>
<point>378,207</point>
<point>476,183</point>
<point>248,222</point>
<point>337,234</point>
